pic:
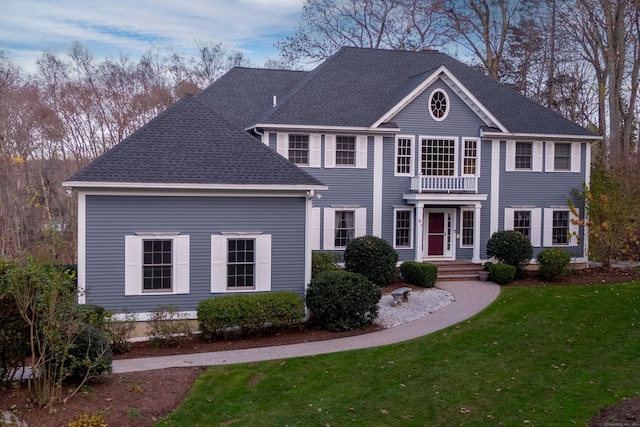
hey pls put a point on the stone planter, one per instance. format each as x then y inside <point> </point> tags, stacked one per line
<point>483,275</point>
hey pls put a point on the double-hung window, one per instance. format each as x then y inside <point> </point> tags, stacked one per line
<point>345,228</point>
<point>526,220</point>
<point>342,224</point>
<point>470,157</point>
<point>524,155</point>
<point>299,149</point>
<point>468,219</point>
<point>345,150</point>
<point>560,229</point>
<point>156,263</point>
<point>240,262</point>
<point>404,156</point>
<point>522,222</point>
<point>403,230</point>
<point>562,157</point>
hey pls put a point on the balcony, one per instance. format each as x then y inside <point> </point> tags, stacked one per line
<point>444,184</point>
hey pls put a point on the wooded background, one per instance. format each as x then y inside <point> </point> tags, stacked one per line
<point>580,58</point>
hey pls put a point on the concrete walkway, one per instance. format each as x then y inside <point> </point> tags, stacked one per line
<point>471,297</point>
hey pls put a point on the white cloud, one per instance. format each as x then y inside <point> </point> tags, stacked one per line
<point>107,28</point>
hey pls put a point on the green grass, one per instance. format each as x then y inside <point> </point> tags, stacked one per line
<point>537,357</point>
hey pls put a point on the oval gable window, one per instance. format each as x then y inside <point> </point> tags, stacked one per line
<point>439,104</point>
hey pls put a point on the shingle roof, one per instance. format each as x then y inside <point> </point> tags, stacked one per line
<point>356,87</point>
<point>244,94</point>
<point>189,143</point>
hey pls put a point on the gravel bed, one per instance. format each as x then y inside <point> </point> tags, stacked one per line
<point>419,305</point>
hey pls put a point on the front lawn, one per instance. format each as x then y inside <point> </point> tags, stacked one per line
<point>544,356</point>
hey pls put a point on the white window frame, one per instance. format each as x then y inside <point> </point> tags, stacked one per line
<point>462,211</point>
<point>329,213</point>
<point>395,227</point>
<point>477,157</point>
<point>456,151</point>
<point>360,154</point>
<point>446,98</point>
<point>219,258</point>
<point>412,155</point>
<point>535,234</point>
<point>574,229</point>
<point>133,255</point>
<point>575,160</point>
<point>315,147</point>
<point>536,157</point>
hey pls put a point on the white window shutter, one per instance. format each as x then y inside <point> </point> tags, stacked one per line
<point>132,265</point>
<point>576,154</point>
<point>548,227</point>
<point>536,227</point>
<point>315,229</point>
<point>361,222</point>
<point>182,265</point>
<point>510,165</point>
<point>282,143</point>
<point>361,151</point>
<point>218,264</point>
<point>549,163</point>
<point>315,150</point>
<point>263,259</point>
<point>329,151</point>
<point>329,229</point>
<point>537,156</point>
<point>574,228</point>
<point>508,218</point>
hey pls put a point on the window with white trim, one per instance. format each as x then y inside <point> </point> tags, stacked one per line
<point>345,150</point>
<point>299,149</point>
<point>522,222</point>
<point>467,227</point>
<point>526,220</point>
<point>240,262</point>
<point>342,224</point>
<point>562,157</point>
<point>404,156</point>
<point>470,157</point>
<point>438,105</point>
<point>438,157</point>
<point>156,263</point>
<point>524,156</point>
<point>403,228</point>
<point>560,229</point>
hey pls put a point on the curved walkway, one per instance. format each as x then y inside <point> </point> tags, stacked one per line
<point>471,297</point>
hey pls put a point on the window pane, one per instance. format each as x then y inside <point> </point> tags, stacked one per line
<point>438,157</point>
<point>470,157</point>
<point>403,158</point>
<point>299,149</point>
<point>523,155</point>
<point>562,157</point>
<point>438,105</point>
<point>522,222</point>
<point>240,263</point>
<point>157,264</point>
<point>403,229</point>
<point>346,150</point>
<point>345,228</point>
<point>467,227</point>
<point>560,230</point>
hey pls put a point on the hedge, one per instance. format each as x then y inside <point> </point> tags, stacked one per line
<point>419,273</point>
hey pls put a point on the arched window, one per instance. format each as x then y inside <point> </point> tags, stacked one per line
<point>439,105</point>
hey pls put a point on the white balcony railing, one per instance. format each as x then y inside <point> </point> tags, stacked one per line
<point>449,184</point>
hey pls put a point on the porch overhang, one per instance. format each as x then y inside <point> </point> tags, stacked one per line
<point>424,199</point>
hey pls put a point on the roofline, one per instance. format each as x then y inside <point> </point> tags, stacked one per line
<point>428,82</point>
<point>361,129</point>
<point>188,186</point>
<point>513,135</point>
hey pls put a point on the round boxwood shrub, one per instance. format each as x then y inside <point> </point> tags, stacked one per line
<point>342,300</point>
<point>502,274</point>
<point>512,248</point>
<point>553,264</point>
<point>372,257</point>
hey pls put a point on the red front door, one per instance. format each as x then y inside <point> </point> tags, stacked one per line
<point>435,240</point>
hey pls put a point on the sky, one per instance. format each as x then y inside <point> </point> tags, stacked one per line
<point>109,28</point>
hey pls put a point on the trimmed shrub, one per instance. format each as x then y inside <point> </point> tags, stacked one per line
<point>168,327</point>
<point>502,274</point>
<point>372,257</point>
<point>119,331</point>
<point>419,273</point>
<point>343,300</point>
<point>89,355</point>
<point>554,263</point>
<point>322,261</point>
<point>512,248</point>
<point>249,313</point>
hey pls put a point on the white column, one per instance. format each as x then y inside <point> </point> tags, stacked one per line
<point>82,248</point>
<point>495,186</point>
<point>377,186</point>
<point>419,231</point>
<point>476,234</point>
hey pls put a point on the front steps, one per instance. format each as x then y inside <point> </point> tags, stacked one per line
<point>457,270</point>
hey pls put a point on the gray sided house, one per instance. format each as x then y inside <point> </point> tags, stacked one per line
<point>419,149</point>
<point>414,147</point>
<point>187,208</point>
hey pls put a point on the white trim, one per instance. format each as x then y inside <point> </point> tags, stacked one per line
<point>535,226</point>
<point>587,180</point>
<point>146,316</point>
<point>330,151</point>
<point>478,142</point>
<point>456,150</point>
<point>185,186</point>
<point>411,227</point>
<point>320,128</point>
<point>454,84</point>
<point>82,247</point>
<point>377,185</point>
<point>412,165</point>
<point>443,198</point>
<point>362,141</point>
<point>359,226</point>
<point>548,228</point>
<point>536,156</point>
<point>447,104</point>
<point>495,187</point>
<point>328,235</point>
<point>315,228</point>
<point>196,193</point>
<point>462,211</point>
<point>219,256</point>
<point>516,135</point>
<point>315,150</point>
<point>361,222</point>
<point>312,239</point>
<point>575,157</point>
<point>282,144</point>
